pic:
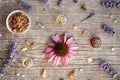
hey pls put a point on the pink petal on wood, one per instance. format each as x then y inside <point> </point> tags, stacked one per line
<point>50,55</point>
<point>65,38</point>
<point>64,61</point>
<point>51,58</point>
<point>58,37</point>
<point>70,41</point>
<point>54,38</point>
<point>56,61</point>
<point>73,52</point>
<point>48,50</point>
<point>71,57</point>
<point>51,44</point>
<point>72,45</point>
<point>74,48</point>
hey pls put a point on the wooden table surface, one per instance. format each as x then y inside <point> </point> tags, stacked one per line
<point>46,13</point>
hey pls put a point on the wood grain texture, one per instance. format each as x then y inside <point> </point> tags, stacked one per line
<point>74,14</point>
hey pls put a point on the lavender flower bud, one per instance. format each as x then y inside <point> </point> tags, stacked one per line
<point>2,73</point>
<point>6,64</point>
<point>107,29</point>
<point>44,1</point>
<point>23,4</point>
<point>59,2</point>
<point>0,35</point>
<point>105,67</point>
<point>75,1</point>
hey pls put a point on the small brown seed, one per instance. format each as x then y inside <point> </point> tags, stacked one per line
<point>83,7</point>
<point>72,74</point>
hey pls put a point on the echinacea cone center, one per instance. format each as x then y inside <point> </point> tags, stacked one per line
<point>61,49</point>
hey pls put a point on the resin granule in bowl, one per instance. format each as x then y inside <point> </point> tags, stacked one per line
<point>18,22</point>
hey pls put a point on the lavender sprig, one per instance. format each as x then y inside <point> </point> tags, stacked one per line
<point>104,66</point>
<point>107,29</point>
<point>89,16</point>
<point>60,2</point>
<point>10,60</point>
<point>25,5</point>
<point>110,3</point>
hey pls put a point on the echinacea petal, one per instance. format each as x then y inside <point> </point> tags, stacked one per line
<point>64,61</point>
<point>73,52</point>
<point>74,48</point>
<point>51,44</point>
<point>70,41</point>
<point>71,57</point>
<point>65,38</point>
<point>48,50</point>
<point>51,58</point>
<point>50,55</point>
<point>56,60</point>
<point>58,37</point>
<point>72,45</point>
<point>54,38</point>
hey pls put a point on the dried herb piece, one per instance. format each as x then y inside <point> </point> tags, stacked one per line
<point>59,3</point>
<point>25,5</point>
<point>90,15</point>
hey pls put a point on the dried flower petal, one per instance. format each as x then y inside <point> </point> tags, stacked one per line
<point>74,27</point>
<point>33,45</point>
<point>24,49</point>
<point>89,59</point>
<point>27,42</point>
<point>44,73</point>
<point>72,74</point>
